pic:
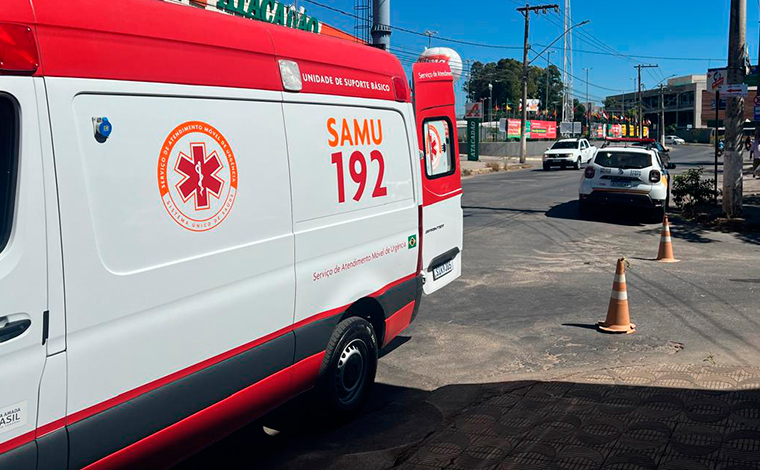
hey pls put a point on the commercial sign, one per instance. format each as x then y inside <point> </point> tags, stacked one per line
<point>716,78</point>
<point>543,130</point>
<point>473,110</point>
<point>533,129</point>
<point>616,130</point>
<point>577,128</point>
<point>473,140</point>
<point>271,12</point>
<point>757,113</point>
<point>566,128</point>
<point>513,128</point>
<point>599,131</point>
<point>532,106</point>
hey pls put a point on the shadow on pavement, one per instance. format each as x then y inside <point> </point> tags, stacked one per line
<point>608,215</point>
<point>584,326</point>
<point>689,232</point>
<point>695,232</point>
<point>499,209</point>
<point>647,417</point>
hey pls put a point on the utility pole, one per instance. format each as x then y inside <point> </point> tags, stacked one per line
<point>732,159</point>
<point>381,24</point>
<point>546,102</point>
<point>640,127</point>
<point>661,124</point>
<point>588,105</point>
<point>526,11</point>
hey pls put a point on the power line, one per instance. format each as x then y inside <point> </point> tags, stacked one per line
<point>507,47</point>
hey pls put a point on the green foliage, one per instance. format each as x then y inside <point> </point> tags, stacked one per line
<point>691,191</point>
<point>506,78</point>
<point>671,129</point>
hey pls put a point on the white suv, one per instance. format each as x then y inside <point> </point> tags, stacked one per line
<point>626,176</point>
<point>569,152</point>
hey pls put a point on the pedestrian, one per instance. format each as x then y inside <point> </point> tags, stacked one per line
<point>755,153</point>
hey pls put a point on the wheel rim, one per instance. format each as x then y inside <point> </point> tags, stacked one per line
<point>352,372</point>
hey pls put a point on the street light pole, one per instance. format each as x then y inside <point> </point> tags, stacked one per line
<point>526,11</point>
<point>588,104</point>
<point>430,35</point>
<point>490,105</point>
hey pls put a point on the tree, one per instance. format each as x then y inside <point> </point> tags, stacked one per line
<point>580,111</point>
<point>506,78</point>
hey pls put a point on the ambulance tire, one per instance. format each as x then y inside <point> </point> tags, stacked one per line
<point>348,370</point>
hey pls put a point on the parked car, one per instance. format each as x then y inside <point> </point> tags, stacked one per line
<point>674,140</point>
<point>569,152</point>
<point>202,217</point>
<point>629,176</point>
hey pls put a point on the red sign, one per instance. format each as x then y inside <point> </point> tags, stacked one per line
<point>543,130</point>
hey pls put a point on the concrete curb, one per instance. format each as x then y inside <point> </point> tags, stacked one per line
<point>468,173</point>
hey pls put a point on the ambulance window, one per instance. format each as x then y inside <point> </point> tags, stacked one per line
<point>439,156</point>
<point>8,165</point>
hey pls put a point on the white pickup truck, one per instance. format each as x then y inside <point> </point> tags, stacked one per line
<point>569,152</point>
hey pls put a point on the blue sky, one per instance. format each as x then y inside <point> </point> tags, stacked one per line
<point>693,29</point>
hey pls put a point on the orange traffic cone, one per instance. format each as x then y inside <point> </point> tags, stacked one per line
<point>665,254</point>
<point>618,320</point>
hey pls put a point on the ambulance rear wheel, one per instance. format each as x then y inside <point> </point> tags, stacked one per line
<point>348,369</point>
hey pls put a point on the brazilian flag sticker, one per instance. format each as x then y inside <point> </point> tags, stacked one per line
<point>413,242</point>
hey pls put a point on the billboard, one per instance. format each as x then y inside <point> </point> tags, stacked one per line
<point>533,129</point>
<point>598,131</point>
<point>616,130</point>
<point>532,106</point>
<point>543,130</point>
<point>513,129</point>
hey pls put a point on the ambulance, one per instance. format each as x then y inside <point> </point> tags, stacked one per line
<point>201,217</point>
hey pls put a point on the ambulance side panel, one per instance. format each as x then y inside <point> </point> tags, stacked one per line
<point>355,213</point>
<point>167,316</point>
<point>23,271</point>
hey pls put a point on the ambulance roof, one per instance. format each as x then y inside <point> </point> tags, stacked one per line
<point>158,41</point>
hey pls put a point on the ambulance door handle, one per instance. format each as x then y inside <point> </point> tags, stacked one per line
<point>12,329</point>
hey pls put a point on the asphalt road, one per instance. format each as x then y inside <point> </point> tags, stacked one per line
<point>536,278</point>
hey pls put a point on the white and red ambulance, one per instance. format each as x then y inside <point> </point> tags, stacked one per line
<point>202,216</point>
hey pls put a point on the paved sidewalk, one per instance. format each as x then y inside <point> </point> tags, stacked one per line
<point>486,162</point>
<point>650,417</point>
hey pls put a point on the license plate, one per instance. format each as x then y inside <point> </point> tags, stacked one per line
<point>442,270</point>
<point>621,184</point>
